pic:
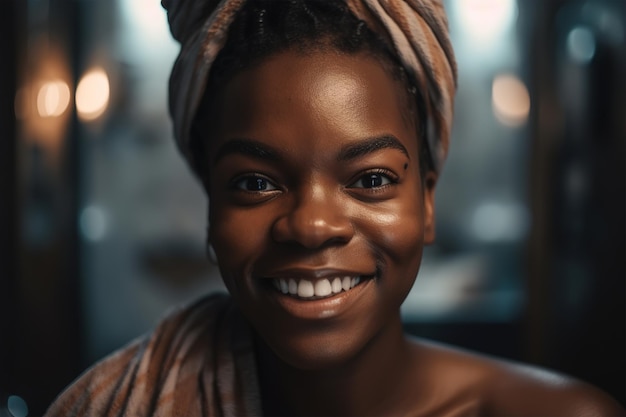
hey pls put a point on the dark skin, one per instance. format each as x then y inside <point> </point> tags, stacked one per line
<point>314,175</point>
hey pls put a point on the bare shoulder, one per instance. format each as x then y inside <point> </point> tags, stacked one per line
<point>517,389</point>
<point>500,387</point>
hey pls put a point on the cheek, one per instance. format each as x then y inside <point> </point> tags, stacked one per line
<point>400,233</point>
<point>396,233</point>
<point>397,230</point>
<point>239,238</point>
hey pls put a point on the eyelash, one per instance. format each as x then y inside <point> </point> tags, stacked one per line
<point>390,177</point>
<point>240,180</point>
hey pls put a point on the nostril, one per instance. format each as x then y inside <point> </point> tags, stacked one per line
<point>313,230</point>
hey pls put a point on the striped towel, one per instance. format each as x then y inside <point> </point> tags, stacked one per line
<point>199,361</point>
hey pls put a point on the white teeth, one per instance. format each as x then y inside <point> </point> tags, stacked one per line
<point>305,288</point>
<point>345,283</point>
<point>336,286</point>
<point>293,286</point>
<point>320,288</point>
<point>284,287</point>
<point>323,288</point>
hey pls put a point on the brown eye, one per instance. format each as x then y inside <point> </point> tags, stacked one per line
<point>372,180</point>
<point>254,183</point>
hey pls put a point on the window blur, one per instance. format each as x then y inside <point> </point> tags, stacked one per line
<point>103,226</point>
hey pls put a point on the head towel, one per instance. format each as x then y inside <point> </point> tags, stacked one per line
<point>416,29</point>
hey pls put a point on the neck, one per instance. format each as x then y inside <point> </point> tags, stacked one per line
<point>361,386</point>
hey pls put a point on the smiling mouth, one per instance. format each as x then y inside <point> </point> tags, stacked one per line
<point>305,289</point>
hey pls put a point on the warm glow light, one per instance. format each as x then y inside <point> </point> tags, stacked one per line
<point>148,15</point>
<point>510,100</point>
<point>53,98</point>
<point>485,20</point>
<point>92,94</point>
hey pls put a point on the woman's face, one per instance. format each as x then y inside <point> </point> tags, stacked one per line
<point>317,214</point>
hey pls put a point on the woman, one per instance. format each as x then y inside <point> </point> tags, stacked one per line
<point>318,129</point>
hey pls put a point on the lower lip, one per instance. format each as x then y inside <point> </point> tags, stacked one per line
<point>320,309</point>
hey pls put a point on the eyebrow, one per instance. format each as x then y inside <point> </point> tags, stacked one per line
<point>247,147</point>
<point>369,146</point>
<point>262,151</point>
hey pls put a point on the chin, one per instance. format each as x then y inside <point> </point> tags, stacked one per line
<point>315,351</point>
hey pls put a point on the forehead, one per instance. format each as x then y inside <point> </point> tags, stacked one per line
<point>310,96</point>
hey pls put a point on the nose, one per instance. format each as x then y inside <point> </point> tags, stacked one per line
<point>315,219</point>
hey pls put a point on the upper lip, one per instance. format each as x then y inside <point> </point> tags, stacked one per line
<point>315,273</point>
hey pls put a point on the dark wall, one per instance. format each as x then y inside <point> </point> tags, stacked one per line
<point>576,277</point>
<point>8,191</point>
<point>40,335</point>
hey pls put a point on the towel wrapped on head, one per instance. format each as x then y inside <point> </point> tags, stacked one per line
<point>417,30</point>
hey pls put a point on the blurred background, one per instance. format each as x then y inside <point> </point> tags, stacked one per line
<point>102,226</point>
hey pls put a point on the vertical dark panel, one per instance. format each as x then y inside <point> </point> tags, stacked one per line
<point>545,116</point>
<point>45,311</point>
<point>590,224</point>
<point>577,273</point>
<point>8,192</point>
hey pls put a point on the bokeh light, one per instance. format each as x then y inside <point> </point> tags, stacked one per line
<point>496,221</point>
<point>16,406</point>
<point>53,98</point>
<point>94,223</point>
<point>581,44</point>
<point>486,20</point>
<point>510,100</point>
<point>92,94</point>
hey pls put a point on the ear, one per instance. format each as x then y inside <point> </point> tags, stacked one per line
<point>430,181</point>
